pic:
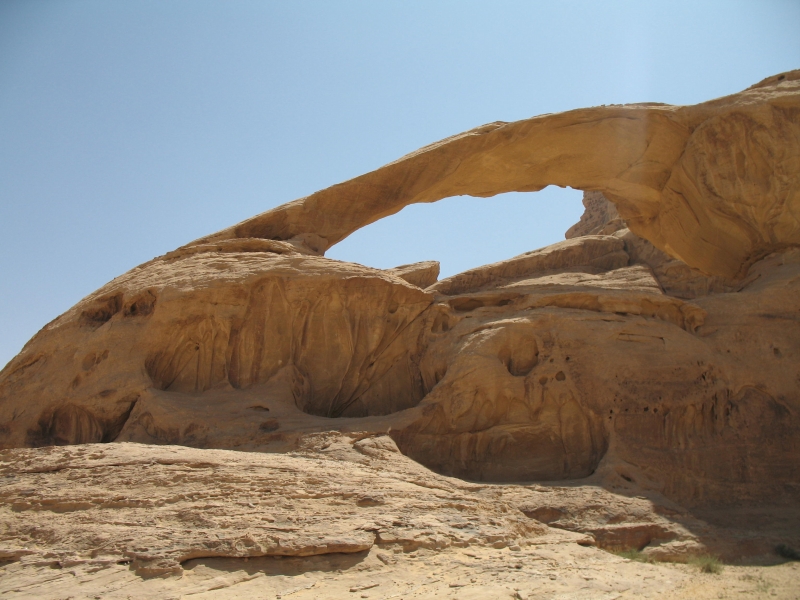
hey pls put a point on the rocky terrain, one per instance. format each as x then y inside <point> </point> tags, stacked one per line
<point>290,425</point>
<point>347,516</point>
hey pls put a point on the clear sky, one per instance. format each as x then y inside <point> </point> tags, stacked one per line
<point>128,128</point>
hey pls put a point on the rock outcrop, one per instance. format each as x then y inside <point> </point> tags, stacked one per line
<point>714,184</point>
<point>658,346</point>
<point>421,274</point>
<point>341,516</point>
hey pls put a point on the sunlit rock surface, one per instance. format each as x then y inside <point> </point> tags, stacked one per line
<point>653,353</point>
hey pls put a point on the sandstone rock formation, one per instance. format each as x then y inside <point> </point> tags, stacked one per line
<point>657,347</point>
<point>714,184</point>
<point>342,516</point>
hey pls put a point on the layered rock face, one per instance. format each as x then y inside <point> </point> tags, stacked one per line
<point>346,516</point>
<point>658,344</point>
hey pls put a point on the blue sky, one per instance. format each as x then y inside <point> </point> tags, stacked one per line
<point>128,128</point>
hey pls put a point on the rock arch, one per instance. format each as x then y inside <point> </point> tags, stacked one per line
<point>589,354</point>
<point>714,184</point>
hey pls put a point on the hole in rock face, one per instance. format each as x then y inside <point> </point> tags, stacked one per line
<point>72,424</point>
<point>467,304</point>
<point>520,359</point>
<point>102,310</point>
<point>140,306</point>
<point>464,232</point>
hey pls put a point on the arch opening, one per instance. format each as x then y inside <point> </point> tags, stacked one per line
<point>464,232</point>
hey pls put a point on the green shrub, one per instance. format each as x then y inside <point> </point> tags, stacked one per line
<point>706,563</point>
<point>634,554</point>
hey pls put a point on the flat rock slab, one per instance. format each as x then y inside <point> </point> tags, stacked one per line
<point>343,516</point>
<point>159,506</point>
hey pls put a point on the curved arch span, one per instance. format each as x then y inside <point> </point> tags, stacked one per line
<point>714,184</point>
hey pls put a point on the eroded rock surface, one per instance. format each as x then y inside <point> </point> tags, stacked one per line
<point>421,274</point>
<point>342,516</point>
<point>657,346</point>
<point>714,184</point>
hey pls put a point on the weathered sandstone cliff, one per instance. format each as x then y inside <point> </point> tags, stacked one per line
<point>657,347</point>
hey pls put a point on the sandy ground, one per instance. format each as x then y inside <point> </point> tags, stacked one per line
<point>549,570</point>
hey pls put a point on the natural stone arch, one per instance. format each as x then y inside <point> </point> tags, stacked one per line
<point>713,184</point>
<point>541,366</point>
